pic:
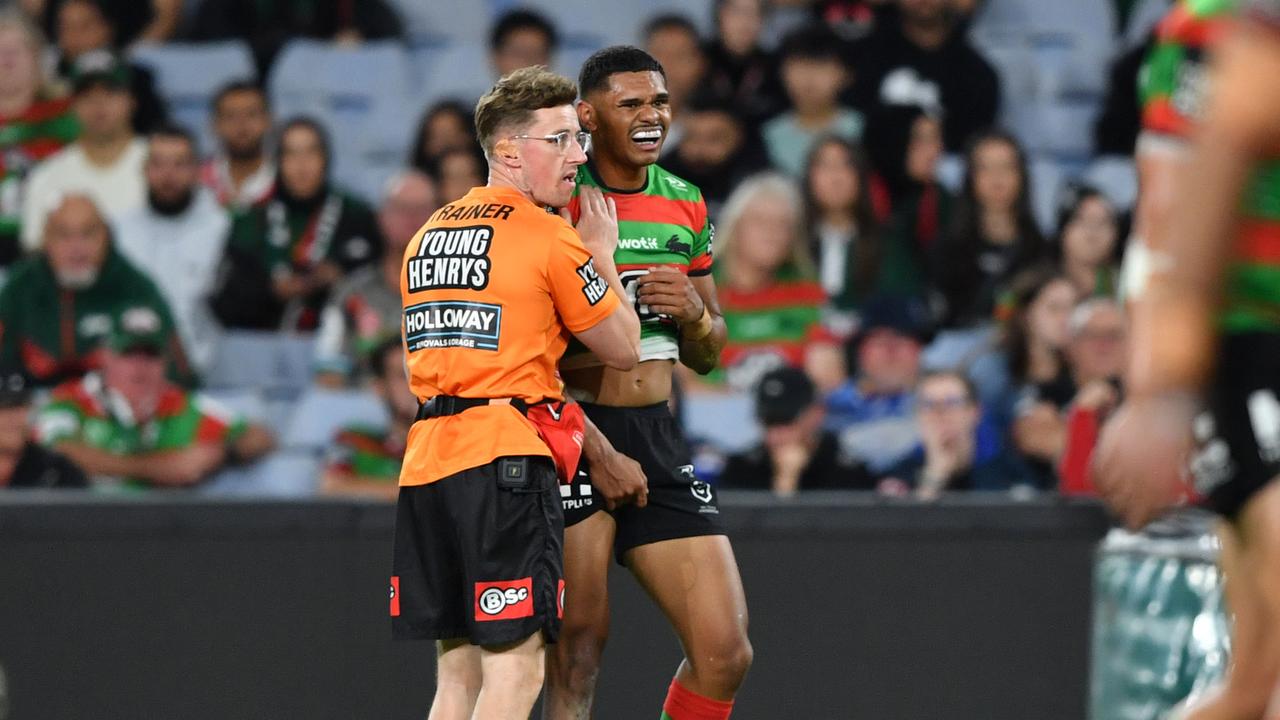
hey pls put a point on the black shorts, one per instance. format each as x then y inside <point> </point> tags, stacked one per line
<point>1238,435</point>
<point>679,506</point>
<point>480,555</point>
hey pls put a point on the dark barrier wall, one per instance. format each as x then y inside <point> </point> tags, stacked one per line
<point>177,608</point>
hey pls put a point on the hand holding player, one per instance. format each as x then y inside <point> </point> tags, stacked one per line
<point>619,479</point>
<point>1142,456</point>
<point>668,291</point>
<point>597,223</point>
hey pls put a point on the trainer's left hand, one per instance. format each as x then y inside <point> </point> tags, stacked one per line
<point>1142,457</point>
<point>668,291</point>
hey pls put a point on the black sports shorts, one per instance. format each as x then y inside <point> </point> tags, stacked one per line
<point>679,506</point>
<point>1238,435</point>
<point>480,555</point>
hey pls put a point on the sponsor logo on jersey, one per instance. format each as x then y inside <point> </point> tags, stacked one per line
<point>395,596</point>
<point>674,245</point>
<point>504,599</point>
<point>452,323</point>
<point>451,259</point>
<point>594,288</point>
<point>640,243</point>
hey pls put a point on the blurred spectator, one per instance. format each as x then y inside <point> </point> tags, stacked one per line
<point>364,460</point>
<point>919,56</point>
<point>366,308</point>
<point>855,260</point>
<point>1031,346</point>
<point>287,252</point>
<point>905,145</point>
<point>796,453</point>
<point>1115,132</point>
<point>178,238</point>
<point>105,162</point>
<point>83,27</point>
<point>1096,357</point>
<point>674,42</point>
<point>445,126</point>
<point>128,425</point>
<point>458,170</point>
<point>519,39</point>
<point>35,122</point>
<point>947,418</point>
<point>240,171</point>
<point>739,70</point>
<point>1088,235</point>
<point>133,20</point>
<point>59,304</point>
<point>716,152</point>
<point>772,304</point>
<point>813,75</point>
<point>872,411</point>
<point>994,234</point>
<point>267,25</point>
<point>23,463</point>
<point>850,20</point>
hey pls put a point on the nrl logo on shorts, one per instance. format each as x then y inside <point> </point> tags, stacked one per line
<point>700,490</point>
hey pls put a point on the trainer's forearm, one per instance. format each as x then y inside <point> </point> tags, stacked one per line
<point>595,446</point>
<point>606,268</point>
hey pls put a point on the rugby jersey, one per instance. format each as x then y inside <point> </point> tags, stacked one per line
<point>768,328</point>
<point>663,223</point>
<point>40,131</point>
<point>1173,91</point>
<point>367,452</point>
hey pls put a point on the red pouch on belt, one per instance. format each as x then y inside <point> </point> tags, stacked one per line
<point>561,426</point>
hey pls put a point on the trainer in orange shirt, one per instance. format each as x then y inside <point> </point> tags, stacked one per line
<point>493,285</point>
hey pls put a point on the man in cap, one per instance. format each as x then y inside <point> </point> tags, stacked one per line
<point>106,162</point>
<point>23,463</point>
<point>128,425</point>
<point>796,453</point>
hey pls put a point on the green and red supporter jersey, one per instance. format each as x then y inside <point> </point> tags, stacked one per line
<point>769,328</point>
<point>26,139</point>
<point>369,453</point>
<point>1172,94</point>
<point>663,223</point>
<point>87,411</point>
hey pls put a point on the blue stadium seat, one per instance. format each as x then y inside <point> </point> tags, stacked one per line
<point>727,421</point>
<point>1143,19</point>
<point>1047,177</point>
<point>1116,177</point>
<point>364,95</point>
<point>321,412</point>
<point>275,363</point>
<point>951,173</point>
<point>188,74</point>
<point>247,403</point>
<point>285,474</point>
<point>440,20</point>
<point>457,69</point>
<point>592,22</point>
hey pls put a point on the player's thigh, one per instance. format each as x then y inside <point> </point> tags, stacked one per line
<point>588,548</point>
<point>696,584</point>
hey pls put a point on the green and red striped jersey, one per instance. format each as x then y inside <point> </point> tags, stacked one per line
<point>366,452</point>
<point>87,411</point>
<point>663,223</point>
<point>26,139</point>
<point>1173,90</point>
<point>768,328</point>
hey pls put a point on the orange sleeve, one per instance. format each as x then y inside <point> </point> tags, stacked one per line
<point>581,296</point>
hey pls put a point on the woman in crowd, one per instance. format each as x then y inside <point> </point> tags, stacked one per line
<point>905,145</point>
<point>855,259</point>
<point>1088,234</point>
<point>445,126</point>
<point>771,300</point>
<point>287,252</point>
<point>994,234</point>
<point>35,122</point>
<point>1029,350</point>
<point>457,170</point>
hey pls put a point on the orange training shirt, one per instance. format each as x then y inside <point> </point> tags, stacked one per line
<point>492,286</point>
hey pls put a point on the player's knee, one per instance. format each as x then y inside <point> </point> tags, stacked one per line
<point>724,663</point>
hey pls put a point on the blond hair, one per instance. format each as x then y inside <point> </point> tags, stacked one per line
<point>510,104</point>
<point>749,192</point>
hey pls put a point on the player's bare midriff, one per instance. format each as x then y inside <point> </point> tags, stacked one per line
<point>645,384</point>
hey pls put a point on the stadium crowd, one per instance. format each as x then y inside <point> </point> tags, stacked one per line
<point>907,312</point>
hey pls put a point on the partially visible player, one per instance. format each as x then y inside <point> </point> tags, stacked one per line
<point>492,286</point>
<point>1206,333</point>
<point>670,538</point>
